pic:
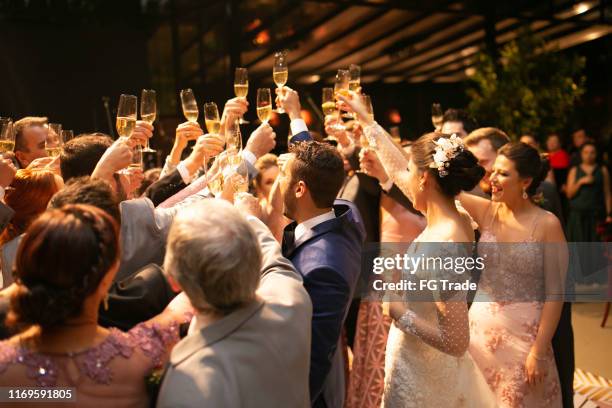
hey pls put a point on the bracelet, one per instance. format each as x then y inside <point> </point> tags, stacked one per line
<point>406,322</point>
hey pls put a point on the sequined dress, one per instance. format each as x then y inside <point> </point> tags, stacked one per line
<point>110,374</point>
<point>502,332</point>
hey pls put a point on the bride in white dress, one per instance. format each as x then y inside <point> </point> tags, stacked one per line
<point>426,362</point>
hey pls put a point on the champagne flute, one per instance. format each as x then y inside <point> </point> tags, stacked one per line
<point>137,161</point>
<point>148,112</point>
<point>328,105</point>
<point>211,117</point>
<point>280,72</point>
<point>126,115</point>
<point>67,135</point>
<point>7,136</point>
<point>354,77</point>
<point>437,116</point>
<point>54,141</point>
<point>264,104</point>
<point>354,84</point>
<point>241,86</point>
<point>367,102</point>
<point>341,84</point>
<point>190,106</point>
<point>233,137</point>
<point>240,175</point>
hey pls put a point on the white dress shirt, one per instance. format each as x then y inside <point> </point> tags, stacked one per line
<point>309,224</point>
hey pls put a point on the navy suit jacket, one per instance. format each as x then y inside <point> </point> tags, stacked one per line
<point>300,137</point>
<point>329,260</point>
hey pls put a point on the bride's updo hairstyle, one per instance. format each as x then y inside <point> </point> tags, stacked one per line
<point>60,262</point>
<point>528,163</point>
<point>462,172</point>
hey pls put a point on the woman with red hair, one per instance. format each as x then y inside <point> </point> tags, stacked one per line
<point>28,196</point>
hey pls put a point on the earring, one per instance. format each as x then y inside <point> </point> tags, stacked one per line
<point>105,302</point>
<point>421,188</point>
<point>525,196</point>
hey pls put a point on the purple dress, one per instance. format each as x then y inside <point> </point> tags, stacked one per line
<point>110,374</point>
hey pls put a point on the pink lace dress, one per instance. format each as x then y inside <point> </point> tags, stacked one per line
<point>111,374</point>
<point>502,332</point>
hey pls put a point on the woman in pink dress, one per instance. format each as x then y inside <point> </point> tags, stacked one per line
<point>64,268</point>
<point>514,316</point>
<point>367,380</point>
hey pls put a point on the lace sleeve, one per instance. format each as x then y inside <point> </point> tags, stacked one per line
<point>448,333</point>
<point>451,334</point>
<point>155,340</point>
<point>392,159</point>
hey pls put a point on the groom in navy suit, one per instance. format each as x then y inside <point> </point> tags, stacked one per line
<point>324,243</point>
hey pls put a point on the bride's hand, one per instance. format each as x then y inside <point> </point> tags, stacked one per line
<point>394,309</point>
<point>354,103</point>
<point>535,369</point>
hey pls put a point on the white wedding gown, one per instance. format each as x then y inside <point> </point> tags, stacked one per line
<point>418,374</point>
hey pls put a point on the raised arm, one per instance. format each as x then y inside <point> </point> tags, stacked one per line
<point>476,207</point>
<point>391,157</point>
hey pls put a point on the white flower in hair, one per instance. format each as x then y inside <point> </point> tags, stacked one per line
<point>445,150</point>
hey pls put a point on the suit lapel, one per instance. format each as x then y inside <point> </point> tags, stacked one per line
<point>213,333</point>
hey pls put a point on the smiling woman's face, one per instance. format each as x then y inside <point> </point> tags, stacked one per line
<point>506,184</point>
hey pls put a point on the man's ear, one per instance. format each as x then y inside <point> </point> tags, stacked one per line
<point>300,189</point>
<point>22,160</point>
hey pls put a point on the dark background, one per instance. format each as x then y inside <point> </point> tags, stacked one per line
<point>61,66</point>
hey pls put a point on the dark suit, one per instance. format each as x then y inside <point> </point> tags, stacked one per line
<point>329,260</point>
<point>365,192</point>
<point>6,215</point>
<point>165,187</point>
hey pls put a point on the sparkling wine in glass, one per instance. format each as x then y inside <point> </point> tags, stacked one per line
<point>354,78</point>
<point>126,115</point>
<point>370,143</point>
<point>7,136</point>
<point>341,84</point>
<point>240,176</point>
<point>190,106</point>
<point>148,111</point>
<point>328,103</point>
<point>280,72</point>
<point>54,140</point>
<point>233,137</point>
<point>437,116</point>
<point>264,104</point>
<point>241,86</point>
<point>137,161</point>
<point>211,117</point>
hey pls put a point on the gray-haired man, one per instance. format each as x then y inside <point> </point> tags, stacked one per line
<point>249,342</point>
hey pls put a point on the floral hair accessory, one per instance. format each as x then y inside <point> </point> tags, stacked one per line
<point>445,150</point>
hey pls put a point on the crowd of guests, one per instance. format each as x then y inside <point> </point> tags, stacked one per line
<point>142,289</point>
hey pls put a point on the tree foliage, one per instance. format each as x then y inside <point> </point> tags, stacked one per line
<point>530,90</point>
